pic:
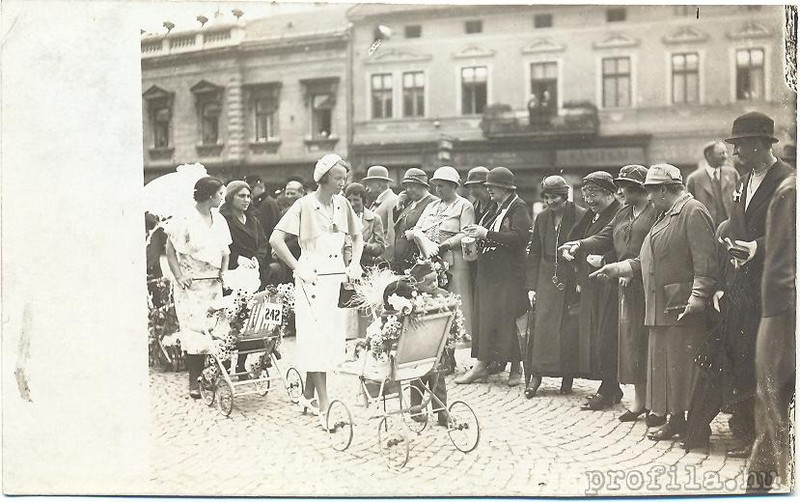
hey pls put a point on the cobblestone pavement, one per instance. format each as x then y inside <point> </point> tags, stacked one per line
<point>542,446</point>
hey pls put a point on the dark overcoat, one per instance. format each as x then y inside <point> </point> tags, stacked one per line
<point>555,332</point>
<point>248,241</point>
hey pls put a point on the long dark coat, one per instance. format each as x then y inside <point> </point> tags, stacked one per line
<point>625,234</point>
<point>500,291</point>
<point>743,286</point>
<point>555,333</point>
<point>598,318</point>
<point>248,241</point>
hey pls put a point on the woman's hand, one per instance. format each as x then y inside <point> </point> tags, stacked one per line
<point>595,260</point>
<point>305,274</point>
<point>569,249</point>
<point>610,271</point>
<point>476,231</point>
<point>353,271</point>
<point>695,305</point>
<point>184,282</point>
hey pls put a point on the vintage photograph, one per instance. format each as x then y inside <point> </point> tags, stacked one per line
<point>470,250</point>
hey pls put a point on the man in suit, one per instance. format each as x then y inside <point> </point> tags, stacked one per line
<point>752,138</point>
<point>775,344</point>
<point>713,182</point>
<point>377,182</point>
<point>415,183</point>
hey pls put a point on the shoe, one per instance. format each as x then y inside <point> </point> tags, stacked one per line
<point>652,420</point>
<point>514,378</point>
<point>323,422</point>
<point>473,375</point>
<point>418,413</point>
<point>631,416</point>
<point>566,386</point>
<point>741,451</point>
<point>667,431</point>
<point>307,404</point>
<point>598,402</point>
<point>495,367</point>
<point>533,387</point>
<point>194,394</point>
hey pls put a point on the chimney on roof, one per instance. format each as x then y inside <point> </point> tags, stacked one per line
<point>203,20</point>
<point>238,13</point>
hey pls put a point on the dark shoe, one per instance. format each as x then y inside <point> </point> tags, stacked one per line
<point>598,402</point>
<point>566,386</point>
<point>741,451</point>
<point>533,387</point>
<point>652,420</point>
<point>473,376</point>
<point>631,416</point>
<point>194,394</point>
<point>667,431</point>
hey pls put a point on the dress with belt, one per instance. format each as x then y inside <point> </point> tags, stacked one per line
<point>321,324</point>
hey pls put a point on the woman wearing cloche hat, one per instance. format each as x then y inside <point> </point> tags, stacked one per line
<point>502,235</point>
<point>439,232</point>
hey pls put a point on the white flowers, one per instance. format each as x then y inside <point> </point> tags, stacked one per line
<point>400,304</point>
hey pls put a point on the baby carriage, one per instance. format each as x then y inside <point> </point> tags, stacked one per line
<point>260,334</point>
<point>416,352</point>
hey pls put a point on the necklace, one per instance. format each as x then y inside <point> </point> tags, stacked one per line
<point>330,217</point>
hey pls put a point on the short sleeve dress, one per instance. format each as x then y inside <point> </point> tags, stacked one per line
<point>321,324</point>
<point>200,249</point>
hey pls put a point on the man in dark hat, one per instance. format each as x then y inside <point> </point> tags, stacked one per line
<point>384,201</point>
<point>752,138</point>
<point>713,182</point>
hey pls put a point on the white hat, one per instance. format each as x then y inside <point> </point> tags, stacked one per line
<point>446,173</point>
<point>325,164</point>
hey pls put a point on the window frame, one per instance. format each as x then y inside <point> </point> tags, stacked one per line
<point>460,87</point>
<point>528,74</point>
<point>403,88</point>
<point>473,23</point>
<point>671,80</point>
<point>412,26</point>
<point>616,10</point>
<point>385,114</point>
<point>318,87</point>
<point>765,82</point>
<point>542,16</point>
<point>632,88</point>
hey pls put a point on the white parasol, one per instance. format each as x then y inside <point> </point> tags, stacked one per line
<point>172,193</point>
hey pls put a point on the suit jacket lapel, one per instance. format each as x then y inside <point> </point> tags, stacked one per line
<point>765,189</point>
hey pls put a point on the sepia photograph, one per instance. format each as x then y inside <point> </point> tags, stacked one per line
<point>407,250</point>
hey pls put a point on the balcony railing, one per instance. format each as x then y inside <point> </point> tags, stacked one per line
<point>501,121</point>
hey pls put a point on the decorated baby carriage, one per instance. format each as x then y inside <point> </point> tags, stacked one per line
<point>390,373</point>
<point>253,327</point>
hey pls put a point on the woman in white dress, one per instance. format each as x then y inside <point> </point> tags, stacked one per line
<point>320,220</point>
<point>197,253</point>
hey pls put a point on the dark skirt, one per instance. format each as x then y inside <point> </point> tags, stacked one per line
<point>633,334</point>
<point>501,298</point>
<point>671,372</point>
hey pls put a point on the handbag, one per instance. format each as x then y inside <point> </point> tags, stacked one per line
<point>347,293</point>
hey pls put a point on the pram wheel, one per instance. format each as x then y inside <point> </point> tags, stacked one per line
<point>262,383</point>
<point>294,384</point>
<point>224,397</point>
<point>340,425</point>
<point>414,416</point>
<point>463,427</point>
<point>393,442</point>
<point>207,391</point>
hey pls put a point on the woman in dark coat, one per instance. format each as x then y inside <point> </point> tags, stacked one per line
<point>624,235</point>
<point>678,265</point>
<point>598,318</point>
<point>552,290</point>
<point>250,246</point>
<point>502,235</point>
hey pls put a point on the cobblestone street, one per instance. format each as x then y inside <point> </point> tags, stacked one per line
<point>542,446</point>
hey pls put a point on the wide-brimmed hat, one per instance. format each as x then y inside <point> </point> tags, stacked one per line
<point>501,177</point>
<point>555,185</point>
<point>752,125</point>
<point>663,174</point>
<point>415,175</point>
<point>600,179</point>
<point>446,173</point>
<point>377,173</point>
<point>633,173</point>
<point>476,176</point>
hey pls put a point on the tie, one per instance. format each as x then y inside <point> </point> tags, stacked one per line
<point>719,207</point>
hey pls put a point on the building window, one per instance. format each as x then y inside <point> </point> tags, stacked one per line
<point>749,74</point>
<point>543,21</point>
<point>684,10</point>
<point>616,15</point>
<point>414,94</point>
<point>382,96</point>
<point>544,91</point>
<point>616,82</point>
<point>265,100</point>
<point>320,96</point>
<point>473,90</point>
<point>208,99</point>
<point>685,78</point>
<point>475,26</point>
<point>159,111</point>
<point>413,31</point>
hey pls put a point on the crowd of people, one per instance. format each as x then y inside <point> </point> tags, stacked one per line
<point>682,288</point>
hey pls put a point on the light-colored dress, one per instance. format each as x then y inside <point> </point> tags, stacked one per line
<point>442,221</point>
<point>200,250</point>
<point>321,324</point>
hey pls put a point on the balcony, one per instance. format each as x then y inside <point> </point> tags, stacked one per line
<point>574,118</point>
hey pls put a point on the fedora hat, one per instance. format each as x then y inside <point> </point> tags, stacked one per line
<point>752,125</point>
<point>476,176</point>
<point>415,175</point>
<point>377,173</point>
<point>501,177</point>
<point>633,173</point>
<point>663,174</point>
